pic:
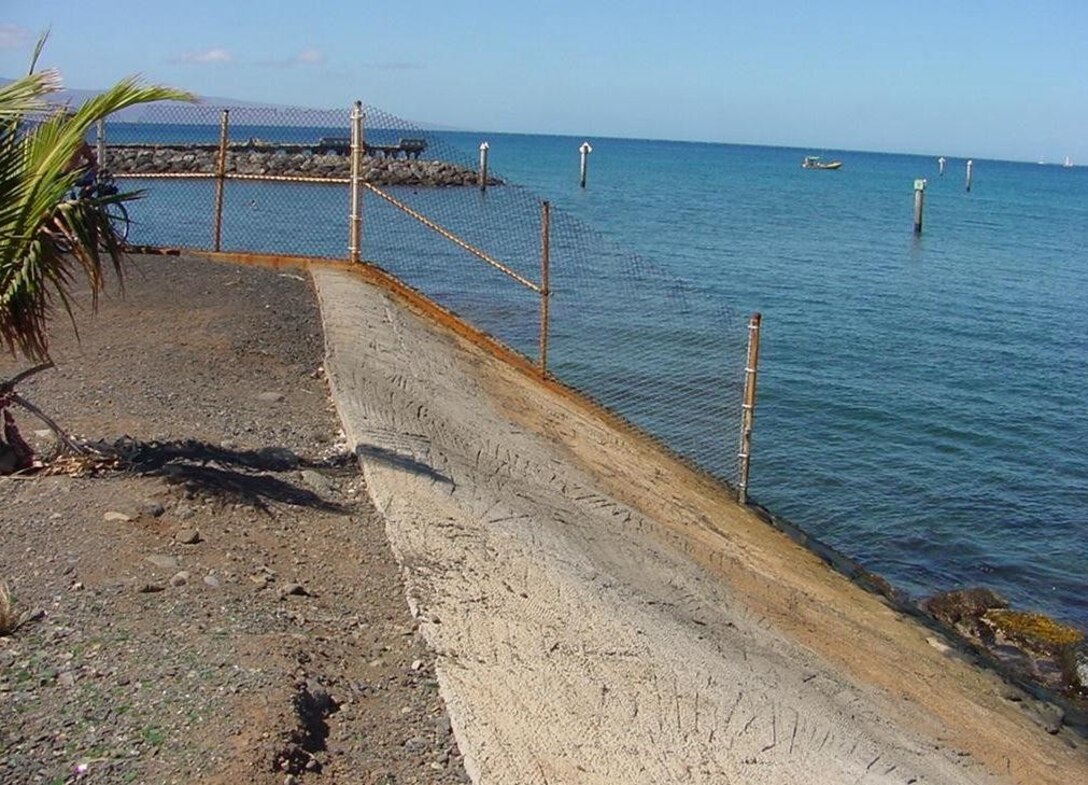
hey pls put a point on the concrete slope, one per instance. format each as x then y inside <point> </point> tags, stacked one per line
<point>603,615</point>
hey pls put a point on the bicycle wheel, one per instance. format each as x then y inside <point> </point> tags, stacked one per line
<point>119,223</point>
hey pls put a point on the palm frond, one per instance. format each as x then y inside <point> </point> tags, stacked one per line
<point>49,235</point>
<point>128,92</point>
<point>38,47</point>
<point>26,94</point>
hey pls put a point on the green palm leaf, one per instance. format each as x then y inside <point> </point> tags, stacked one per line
<point>50,238</point>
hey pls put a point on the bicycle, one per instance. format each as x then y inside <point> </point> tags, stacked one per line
<point>102,186</point>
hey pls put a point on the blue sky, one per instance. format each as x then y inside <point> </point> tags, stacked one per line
<point>976,78</point>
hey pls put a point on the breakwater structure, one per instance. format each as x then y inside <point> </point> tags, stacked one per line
<point>262,158</point>
<point>272,184</point>
<point>354,184</point>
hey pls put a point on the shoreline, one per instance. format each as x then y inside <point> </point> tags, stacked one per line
<point>1019,647</point>
<point>629,497</point>
<point>705,573</point>
<point>871,523</point>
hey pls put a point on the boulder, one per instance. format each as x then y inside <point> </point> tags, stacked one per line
<point>1034,632</point>
<point>1075,667</point>
<point>963,609</point>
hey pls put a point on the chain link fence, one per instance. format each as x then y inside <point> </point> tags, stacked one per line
<point>650,346</point>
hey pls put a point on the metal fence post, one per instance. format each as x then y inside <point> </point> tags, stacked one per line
<point>748,406</point>
<point>545,259</point>
<point>356,217</point>
<point>100,141</point>
<point>220,180</point>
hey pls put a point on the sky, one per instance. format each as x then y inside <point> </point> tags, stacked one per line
<point>971,78</point>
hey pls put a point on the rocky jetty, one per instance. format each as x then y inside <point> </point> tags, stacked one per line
<point>285,162</point>
<point>1030,645</point>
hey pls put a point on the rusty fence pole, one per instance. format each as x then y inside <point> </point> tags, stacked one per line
<point>220,180</point>
<point>545,259</point>
<point>355,232</point>
<point>748,406</point>
<point>100,142</point>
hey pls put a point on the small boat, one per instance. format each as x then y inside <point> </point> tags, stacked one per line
<point>814,162</point>
<point>1068,163</point>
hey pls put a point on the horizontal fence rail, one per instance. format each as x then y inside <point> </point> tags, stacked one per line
<point>455,239</point>
<point>423,205</point>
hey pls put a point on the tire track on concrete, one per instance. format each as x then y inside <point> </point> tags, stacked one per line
<point>573,646</point>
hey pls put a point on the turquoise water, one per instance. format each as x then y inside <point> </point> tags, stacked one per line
<point>922,401</point>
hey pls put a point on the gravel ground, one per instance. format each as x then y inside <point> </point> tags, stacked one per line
<point>226,609</point>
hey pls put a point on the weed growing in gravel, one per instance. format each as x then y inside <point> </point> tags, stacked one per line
<point>10,619</point>
<point>153,736</point>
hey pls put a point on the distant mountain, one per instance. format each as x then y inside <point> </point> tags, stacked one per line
<point>242,111</point>
<point>76,97</point>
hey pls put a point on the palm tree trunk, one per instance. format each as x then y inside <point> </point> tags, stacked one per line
<point>13,448</point>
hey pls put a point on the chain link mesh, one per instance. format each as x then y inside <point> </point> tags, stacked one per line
<point>660,351</point>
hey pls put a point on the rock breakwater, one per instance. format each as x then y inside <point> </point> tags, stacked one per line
<point>1030,646</point>
<point>281,162</point>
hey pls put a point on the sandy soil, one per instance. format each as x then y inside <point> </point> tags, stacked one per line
<point>601,614</point>
<point>273,647</point>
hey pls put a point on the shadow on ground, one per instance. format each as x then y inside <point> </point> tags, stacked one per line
<point>400,461</point>
<point>246,476</point>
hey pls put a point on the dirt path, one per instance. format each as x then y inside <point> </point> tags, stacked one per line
<point>601,615</point>
<point>228,610</point>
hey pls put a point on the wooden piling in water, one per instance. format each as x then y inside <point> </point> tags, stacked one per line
<point>482,175</point>
<point>919,204</point>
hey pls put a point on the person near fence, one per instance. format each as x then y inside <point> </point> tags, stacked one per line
<point>86,162</point>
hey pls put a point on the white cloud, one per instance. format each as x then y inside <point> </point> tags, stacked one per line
<point>393,66</point>
<point>13,36</point>
<point>206,56</point>
<point>305,57</point>
<point>309,56</point>
<point>218,56</point>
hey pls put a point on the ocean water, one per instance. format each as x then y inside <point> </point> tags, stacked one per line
<point>923,401</point>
